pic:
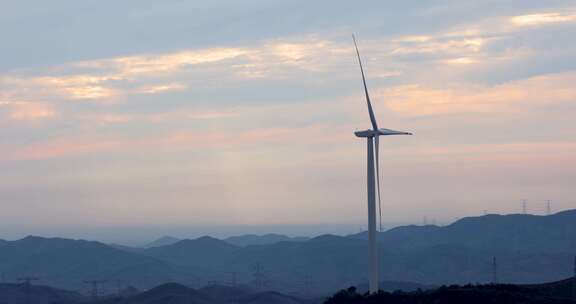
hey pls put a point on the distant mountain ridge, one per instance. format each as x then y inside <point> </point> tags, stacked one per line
<point>163,241</point>
<point>528,248</point>
<point>266,239</point>
<point>67,263</point>
<point>239,240</point>
<point>492,234</point>
<point>173,293</point>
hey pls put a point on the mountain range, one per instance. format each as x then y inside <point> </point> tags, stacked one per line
<point>559,292</point>
<point>528,249</point>
<point>240,240</point>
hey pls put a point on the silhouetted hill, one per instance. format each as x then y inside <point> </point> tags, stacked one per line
<point>470,294</point>
<point>266,239</point>
<point>35,294</point>
<point>224,293</point>
<point>269,297</point>
<point>170,293</point>
<point>163,241</point>
<point>492,234</point>
<point>396,285</point>
<point>560,289</point>
<point>528,249</point>
<point>67,263</point>
<point>173,293</point>
<point>202,252</point>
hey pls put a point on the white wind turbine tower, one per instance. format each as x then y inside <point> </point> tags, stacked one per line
<point>372,136</point>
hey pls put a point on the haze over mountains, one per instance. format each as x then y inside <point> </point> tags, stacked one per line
<point>241,240</point>
<point>529,249</point>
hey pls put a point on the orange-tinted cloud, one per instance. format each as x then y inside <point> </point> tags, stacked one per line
<point>538,19</point>
<point>28,111</point>
<point>540,90</point>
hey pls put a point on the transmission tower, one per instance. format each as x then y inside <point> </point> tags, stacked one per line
<point>307,285</point>
<point>27,282</point>
<point>524,207</point>
<point>260,280</point>
<point>233,278</point>
<point>119,284</point>
<point>94,290</point>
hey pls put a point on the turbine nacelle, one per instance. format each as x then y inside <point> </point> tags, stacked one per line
<point>381,131</point>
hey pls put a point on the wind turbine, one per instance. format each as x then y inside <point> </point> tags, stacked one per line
<point>372,136</point>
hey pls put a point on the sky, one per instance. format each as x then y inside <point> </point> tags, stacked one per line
<point>127,120</point>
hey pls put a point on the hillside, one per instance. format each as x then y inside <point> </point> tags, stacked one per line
<point>410,257</point>
<point>163,241</point>
<point>266,239</point>
<point>493,234</point>
<point>67,263</point>
<point>173,293</point>
<point>470,294</point>
<point>20,293</point>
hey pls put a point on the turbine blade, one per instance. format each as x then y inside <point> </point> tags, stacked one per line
<point>377,147</point>
<point>383,131</point>
<point>370,111</point>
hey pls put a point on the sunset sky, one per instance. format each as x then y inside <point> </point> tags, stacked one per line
<point>132,119</point>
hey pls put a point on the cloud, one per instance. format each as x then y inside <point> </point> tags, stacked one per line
<point>112,118</point>
<point>28,111</point>
<point>539,19</point>
<point>513,96</point>
<point>58,148</point>
<point>132,66</point>
<point>461,60</point>
<point>161,88</point>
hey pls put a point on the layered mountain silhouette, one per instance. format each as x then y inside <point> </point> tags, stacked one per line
<point>528,249</point>
<point>239,240</point>
<point>492,234</point>
<point>163,241</point>
<point>67,263</point>
<point>550,293</point>
<point>266,239</point>
<point>21,293</point>
<point>173,293</point>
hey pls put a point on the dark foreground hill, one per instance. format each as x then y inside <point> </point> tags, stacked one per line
<point>173,293</point>
<point>20,293</point>
<point>469,294</point>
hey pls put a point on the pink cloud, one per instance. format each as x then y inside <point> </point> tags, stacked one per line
<point>512,96</point>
